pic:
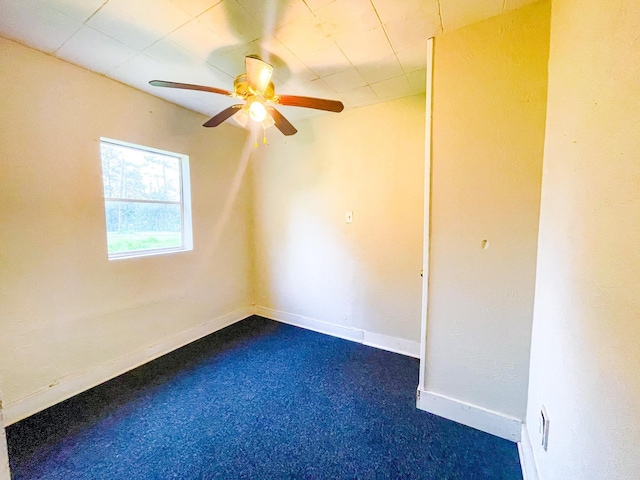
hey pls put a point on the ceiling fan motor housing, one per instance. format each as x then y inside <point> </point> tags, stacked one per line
<point>243,90</point>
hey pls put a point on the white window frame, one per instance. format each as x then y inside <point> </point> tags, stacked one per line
<point>186,233</point>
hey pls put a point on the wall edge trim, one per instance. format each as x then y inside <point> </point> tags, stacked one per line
<point>426,237</point>
<point>527,458</point>
<point>5,474</point>
<point>375,340</point>
<point>480,418</point>
<point>67,388</point>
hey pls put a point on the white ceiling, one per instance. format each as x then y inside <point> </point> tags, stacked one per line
<point>357,51</point>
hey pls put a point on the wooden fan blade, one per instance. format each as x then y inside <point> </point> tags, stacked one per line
<point>310,102</point>
<point>282,123</point>
<point>188,86</point>
<point>258,73</point>
<point>222,116</point>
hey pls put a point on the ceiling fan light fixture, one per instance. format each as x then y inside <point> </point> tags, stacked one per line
<point>242,117</point>
<point>268,122</point>
<point>257,111</point>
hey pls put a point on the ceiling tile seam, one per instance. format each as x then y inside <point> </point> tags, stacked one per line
<point>165,37</point>
<point>258,20</point>
<point>135,52</point>
<point>82,24</point>
<point>395,53</point>
<point>89,69</point>
<point>197,17</point>
<point>52,53</point>
<point>191,15</point>
<point>131,57</point>
<point>404,71</point>
<point>97,10</point>
<point>350,63</point>
<point>207,11</point>
<point>190,54</point>
<point>55,52</point>
<point>318,76</point>
<point>225,74</point>
<point>440,15</point>
<point>334,43</point>
<point>369,84</point>
<point>143,50</point>
<point>285,23</point>
<point>299,60</point>
<point>384,29</point>
<point>110,72</point>
<point>174,30</point>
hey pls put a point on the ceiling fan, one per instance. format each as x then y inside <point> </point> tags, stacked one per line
<point>256,89</point>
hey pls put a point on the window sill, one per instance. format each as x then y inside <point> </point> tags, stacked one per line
<point>148,253</point>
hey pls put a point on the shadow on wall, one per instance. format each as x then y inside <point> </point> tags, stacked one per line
<point>232,195</point>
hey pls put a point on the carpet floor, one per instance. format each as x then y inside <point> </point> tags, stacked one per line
<point>258,400</point>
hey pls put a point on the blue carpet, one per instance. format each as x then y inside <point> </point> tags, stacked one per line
<point>257,400</point>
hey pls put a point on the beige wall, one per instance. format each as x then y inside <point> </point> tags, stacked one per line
<point>487,143</point>
<point>585,357</point>
<point>65,309</point>
<point>363,276</point>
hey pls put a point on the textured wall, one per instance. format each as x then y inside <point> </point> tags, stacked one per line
<point>488,135</point>
<point>364,275</point>
<point>585,355</point>
<point>65,309</point>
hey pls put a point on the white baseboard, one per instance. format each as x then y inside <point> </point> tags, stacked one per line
<point>327,328</point>
<point>392,344</point>
<point>383,342</point>
<point>527,460</point>
<point>67,388</point>
<point>471,415</point>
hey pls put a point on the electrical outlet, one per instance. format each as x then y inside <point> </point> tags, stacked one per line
<point>349,217</point>
<point>544,428</point>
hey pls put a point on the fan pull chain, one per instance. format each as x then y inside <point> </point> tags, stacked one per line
<point>264,135</point>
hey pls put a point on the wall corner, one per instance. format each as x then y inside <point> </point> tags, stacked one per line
<point>4,454</point>
<point>527,459</point>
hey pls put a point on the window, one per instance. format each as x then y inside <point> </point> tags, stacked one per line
<point>147,200</point>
